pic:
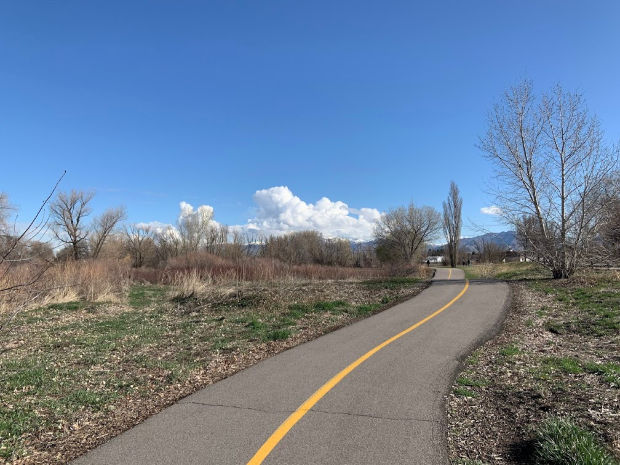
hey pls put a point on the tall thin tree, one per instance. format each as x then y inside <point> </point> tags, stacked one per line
<point>452,222</point>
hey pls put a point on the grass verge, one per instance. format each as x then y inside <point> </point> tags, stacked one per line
<point>551,377</point>
<point>560,441</point>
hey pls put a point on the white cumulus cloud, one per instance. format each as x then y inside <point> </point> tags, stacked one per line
<point>279,211</point>
<point>492,210</point>
<point>204,213</point>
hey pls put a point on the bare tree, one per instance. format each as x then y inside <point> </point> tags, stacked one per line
<point>365,256</point>
<point>235,249</point>
<point>18,290</point>
<point>402,232</point>
<point>489,251</point>
<point>167,243</point>
<point>216,237</point>
<point>337,252</point>
<point>609,244</point>
<point>526,229</point>
<point>194,229</point>
<point>550,161</point>
<point>452,222</point>
<point>69,212</point>
<point>102,227</point>
<point>138,238</point>
<point>299,247</point>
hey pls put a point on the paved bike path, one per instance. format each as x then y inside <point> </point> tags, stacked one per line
<point>389,409</point>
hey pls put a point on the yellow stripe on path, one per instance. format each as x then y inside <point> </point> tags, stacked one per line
<point>298,414</point>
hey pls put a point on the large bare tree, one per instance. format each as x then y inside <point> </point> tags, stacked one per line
<point>452,222</point>
<point>102,227</point>
<point>68,213</point>
<point>401,233</point>
<point>550,161</point>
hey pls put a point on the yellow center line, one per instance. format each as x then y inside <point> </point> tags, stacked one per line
<point>450,274</point>
<point>298,414</point>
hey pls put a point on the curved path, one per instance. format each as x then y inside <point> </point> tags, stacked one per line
<point>331,401</point>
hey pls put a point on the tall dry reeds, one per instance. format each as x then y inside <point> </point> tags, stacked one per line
<point>108,279</point>
<point>91,280</point>
<point>213,268</point>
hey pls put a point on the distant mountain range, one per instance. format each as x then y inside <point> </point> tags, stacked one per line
<point>506,239</point>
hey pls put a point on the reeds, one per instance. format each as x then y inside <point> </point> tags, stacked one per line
<point>108,279</point>
<point>30,284</point>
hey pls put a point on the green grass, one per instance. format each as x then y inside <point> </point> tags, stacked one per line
<point>509,350</point>
<point>14,422</point>
<point>471,272</point>
<point>335,307</point>
<point>559,441</point>
<point>145,295</point>
<point>599,303</point>
<point>84,398</point>
<point>255,324</point>
<point>520,271</point>
<point>609,371</point>
<point>67,306</point>
<point>299,310</point>
<point>464,392</point>
<point>507,271</point>
<point>24,373</point>
<point>474,358</point>
<point>556,327</point>
<point>278,334</point>
<point>37,393</point>
<point>554,370</point>
<point>362,310</point>
<point>563,364</point>
<point>390,283</point>
<point>330,306</point>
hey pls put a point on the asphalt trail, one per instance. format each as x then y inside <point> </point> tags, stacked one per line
<point>388,410</point>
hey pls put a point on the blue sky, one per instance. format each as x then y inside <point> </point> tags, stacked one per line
<point>372,104</point>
